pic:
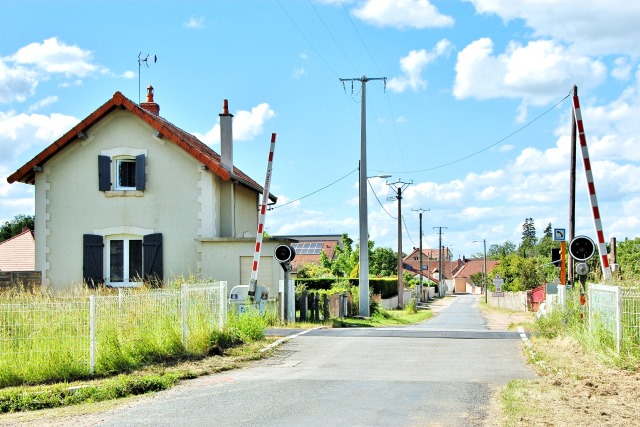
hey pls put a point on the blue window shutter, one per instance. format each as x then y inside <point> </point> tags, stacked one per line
<point>92,259</point>
<point>152,257</point>
<point>104,173</point>
<point>140,182</point>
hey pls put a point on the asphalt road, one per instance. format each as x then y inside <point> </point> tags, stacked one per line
<point>438,373</point>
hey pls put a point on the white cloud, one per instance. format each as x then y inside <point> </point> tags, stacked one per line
<point>622,69</point>
<point>413,64</point>
<point>16,83</point>
<point>593,27</point>
<point>43,103</point>
<point>246,125</point>
<point>536,73</point>
<point>52,56</point>
<point>299,73</point>
<point>129,75</point>
<point>194,23</point>
<point>22,134</point>
<point>402,14</point>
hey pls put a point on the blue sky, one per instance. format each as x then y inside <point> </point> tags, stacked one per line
<point>467,113</point>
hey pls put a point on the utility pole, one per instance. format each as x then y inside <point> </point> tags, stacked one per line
<point>572,189</point>
<point>363,216</point>
<point>399,186</point>
<point>420,269</point>
<point>441,292</point>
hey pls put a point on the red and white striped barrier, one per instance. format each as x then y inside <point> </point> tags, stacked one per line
<point>263,210</point>
<point>602,247</point>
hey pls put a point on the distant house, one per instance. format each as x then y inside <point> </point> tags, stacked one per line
<point>18,253</point>
<point>309,248</point>
<point>430,263</point>
<point>462,277</point>
<point>457,273</point>
<point>125,195</point>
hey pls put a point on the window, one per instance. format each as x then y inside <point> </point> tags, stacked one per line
<point>122,171</point>
<point>125,259</point>
<point>124,263</point>
<point>125,174</point>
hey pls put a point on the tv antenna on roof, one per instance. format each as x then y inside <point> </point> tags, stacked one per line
<point>143,58</point>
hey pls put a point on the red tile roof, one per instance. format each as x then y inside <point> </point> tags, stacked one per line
<point>18,253</point>
<point>474,266</point>
<point>189,143</point>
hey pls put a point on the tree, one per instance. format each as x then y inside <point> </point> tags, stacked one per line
<point>548,232</point>
<point>628,258</point>
<point>342,264</point>
<point>495,251</point>
<point>312,270</point>
<point>477,278</point>
<point>528,237</point>
<point>383,262</point>
<point>519,273</point>
<point>15,226</point>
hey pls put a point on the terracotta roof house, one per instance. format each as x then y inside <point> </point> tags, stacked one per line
<point>462,277</point>
<point>430,263</point>
<point>310,247</point>
<point>18,252</point>
<point>126,195</point>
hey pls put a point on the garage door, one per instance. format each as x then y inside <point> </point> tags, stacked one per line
<point>265,270</point>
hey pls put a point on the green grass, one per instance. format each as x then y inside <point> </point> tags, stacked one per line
<point>383,317</point>
<point>45,339</point>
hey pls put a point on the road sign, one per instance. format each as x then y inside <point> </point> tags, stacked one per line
<point>497,294</point>
<point>559,234</point>
<point>498,282</point>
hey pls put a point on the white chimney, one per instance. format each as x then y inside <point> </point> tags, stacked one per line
<point>226,138</point>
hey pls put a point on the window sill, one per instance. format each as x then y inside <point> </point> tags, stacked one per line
<point>124,284</point>
<point>124,193</point>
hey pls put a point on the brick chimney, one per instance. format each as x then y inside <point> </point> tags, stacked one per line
<point>150,106</point>
<point>226,138</point>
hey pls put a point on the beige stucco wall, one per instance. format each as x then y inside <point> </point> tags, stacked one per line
<point>181,201</point>
<point>221,261</point>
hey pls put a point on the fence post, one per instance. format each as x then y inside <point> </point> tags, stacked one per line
<point>184,316</point>
<point>92,334</point>
<point>325,307</point>
<point>316,300</point>
<point>303,306</point>
<point>222,316</point>
<point>618,318</point>
<point>345,301</point>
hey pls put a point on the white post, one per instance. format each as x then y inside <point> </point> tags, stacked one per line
<point>92,334</point>
<point>184,315</point>
<point>562,297</point>
<point>618,318</point>
<point>292,300</point>
<point>222,316</point>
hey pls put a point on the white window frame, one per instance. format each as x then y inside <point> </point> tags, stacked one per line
<point>116,172</point>
<point>126,283</point>
<point>116,154</point>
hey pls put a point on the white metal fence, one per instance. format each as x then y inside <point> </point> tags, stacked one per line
<point>616,310</point>
<point>72,329</point>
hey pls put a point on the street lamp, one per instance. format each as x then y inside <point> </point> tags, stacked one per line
<point>484,273</point>
<point>363,287</point>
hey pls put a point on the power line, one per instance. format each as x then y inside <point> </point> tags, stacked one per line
<point>379,202</point>
<point>440,166</point>
<point>407,230</point>
<point>317,191</point>
<point>489,146</point>
<point>331,34</point>
<point>361,39</point>
<point>307,39</point>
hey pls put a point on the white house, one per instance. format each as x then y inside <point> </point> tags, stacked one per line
<point>125,195</point>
